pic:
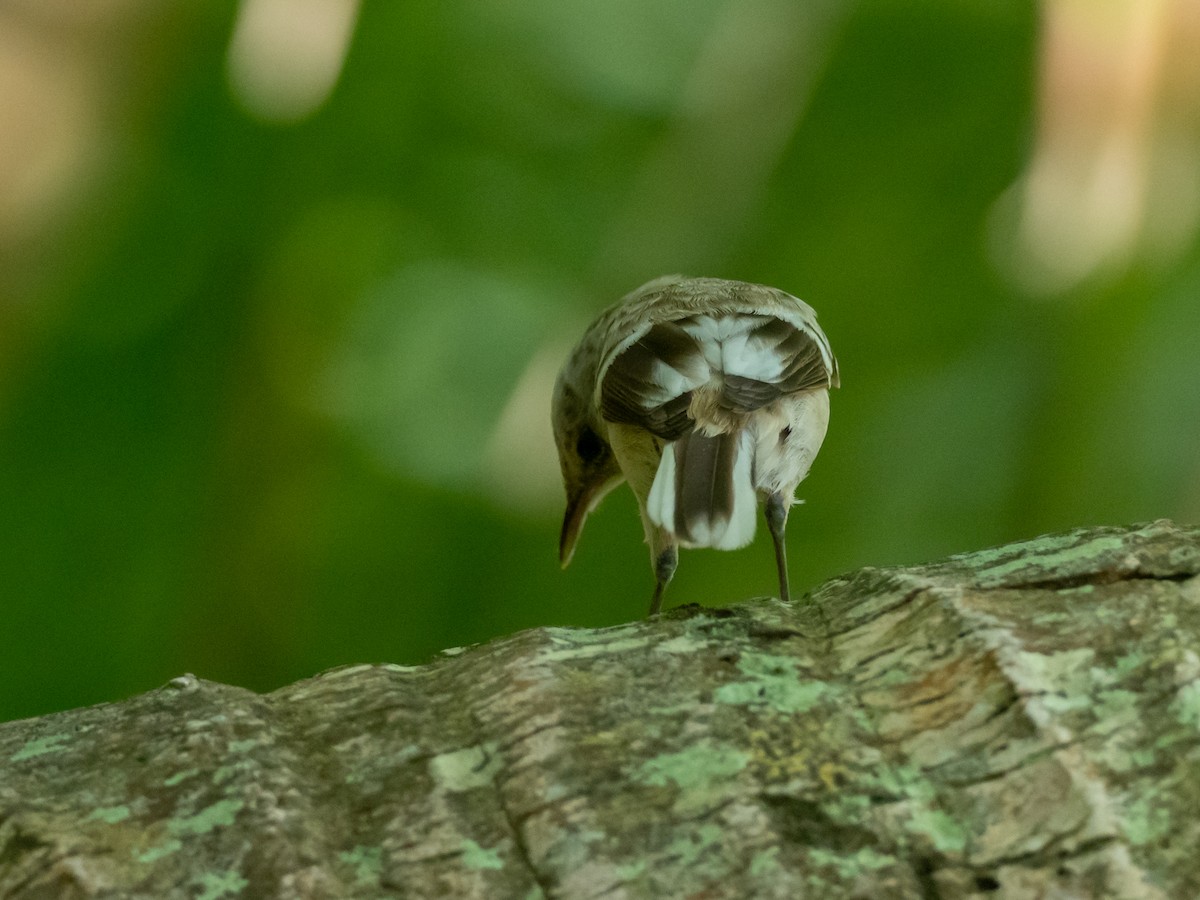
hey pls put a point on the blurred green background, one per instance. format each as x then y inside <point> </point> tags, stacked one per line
<point>284,286</point>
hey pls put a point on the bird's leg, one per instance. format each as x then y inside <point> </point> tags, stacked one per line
<point>665,561</point>
<point>777,514</point>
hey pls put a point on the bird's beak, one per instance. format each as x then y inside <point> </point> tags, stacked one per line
<point>581,500</point>
<point>578,508</point>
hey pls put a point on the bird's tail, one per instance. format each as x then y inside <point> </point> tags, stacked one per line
<point>703,491</point>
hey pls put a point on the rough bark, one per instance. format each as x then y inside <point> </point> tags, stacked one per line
<point>1018,722</point>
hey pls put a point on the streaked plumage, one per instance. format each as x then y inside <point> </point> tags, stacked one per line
<point>703,394</point>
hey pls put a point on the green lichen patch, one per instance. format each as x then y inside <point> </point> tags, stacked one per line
<point>945,832</point>
<point>1154,550</point>
<point>1060,554</point>
<point>110,815</point>
<point>699,766</point>
<point>702,772</point>
<point>850,865</point>
<point>631,870</point>
<point>1185,707</point>
<point>159,851</point>
<point>772,681</point>
<point>699,852</point>
<point>691,848</point>
<point>219,814</point>
<point>367,863</point>
<point>1115,710</point>
<point>585,650</point>
<point>215,885</point>
<point>477,857</point>
<point>54,743</point>
<point>918,808</point>
<point>765,863</point>
<point>1147,818</point>
<point>180,777</point>
<point>900,781</point>
<point>1128,663</point>
<point>240,767</point>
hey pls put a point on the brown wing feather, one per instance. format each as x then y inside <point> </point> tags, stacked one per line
<point>632,391</point>
<point>806,370</point>
<point>703,481</point>
<point>803,369</point>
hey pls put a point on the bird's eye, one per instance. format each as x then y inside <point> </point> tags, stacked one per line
<point>589,446</point>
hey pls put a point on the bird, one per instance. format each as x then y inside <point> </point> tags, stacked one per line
<point>705,395</point>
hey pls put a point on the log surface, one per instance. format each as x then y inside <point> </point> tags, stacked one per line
<point>1022,722</point>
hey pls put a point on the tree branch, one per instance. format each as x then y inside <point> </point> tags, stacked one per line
<point>1017,722</point>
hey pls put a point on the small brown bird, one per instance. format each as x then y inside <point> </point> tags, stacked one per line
<point>704,395</point>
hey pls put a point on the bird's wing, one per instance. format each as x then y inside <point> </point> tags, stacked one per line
<point>754,356</point>
<point>650,382</point>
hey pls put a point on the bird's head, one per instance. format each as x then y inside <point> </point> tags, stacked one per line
<point>589,468</point>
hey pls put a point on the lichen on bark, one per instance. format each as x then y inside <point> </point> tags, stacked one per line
<point>1017,722</point>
